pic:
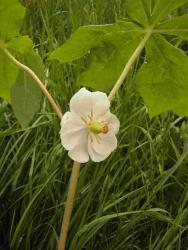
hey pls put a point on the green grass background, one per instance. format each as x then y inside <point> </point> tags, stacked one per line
<point>136,199</point>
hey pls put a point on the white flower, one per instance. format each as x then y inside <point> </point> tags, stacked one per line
<point>89,129</point>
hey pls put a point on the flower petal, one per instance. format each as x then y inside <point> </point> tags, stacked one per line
<point>112,121</point>
<point>101,104</point>
<point>81,103</point>
<point>105,145</point>
<point>72,122</point>
<point>99,149</point>
<point>95,156</point>
<point>72,130</point>
<point>80,152</point>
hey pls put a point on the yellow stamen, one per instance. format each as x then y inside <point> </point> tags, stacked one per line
<point>105,128</point>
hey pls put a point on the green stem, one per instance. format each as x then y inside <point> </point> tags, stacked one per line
<point>129,64</point>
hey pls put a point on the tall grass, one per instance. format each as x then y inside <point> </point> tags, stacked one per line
<point>136,199</point>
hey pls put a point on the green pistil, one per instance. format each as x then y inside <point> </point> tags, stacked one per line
<point>97,127</point>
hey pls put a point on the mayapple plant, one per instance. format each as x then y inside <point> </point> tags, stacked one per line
<point>89,129</point>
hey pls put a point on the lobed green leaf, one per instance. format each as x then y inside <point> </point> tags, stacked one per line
<point>111,46</point>
<point>162,79</point>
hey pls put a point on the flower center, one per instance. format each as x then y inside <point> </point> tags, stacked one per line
<point>97,127</point>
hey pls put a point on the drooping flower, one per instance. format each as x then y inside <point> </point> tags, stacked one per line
<point>89,130</point>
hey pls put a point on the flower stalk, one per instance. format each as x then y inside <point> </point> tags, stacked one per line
<point>69,205</point>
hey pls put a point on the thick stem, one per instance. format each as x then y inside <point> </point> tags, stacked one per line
<point>36,79</point>
<point>69,205</point>
<point>129,65</point>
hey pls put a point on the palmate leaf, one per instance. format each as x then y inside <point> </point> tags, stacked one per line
<point>16,87</point>
<point>163,79</point>
<point>25,93</point>
<point>110,47</point>
<point>110,51</point>
<point>11,14</point>
<point>108,61</point>
<point>87,37</point>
